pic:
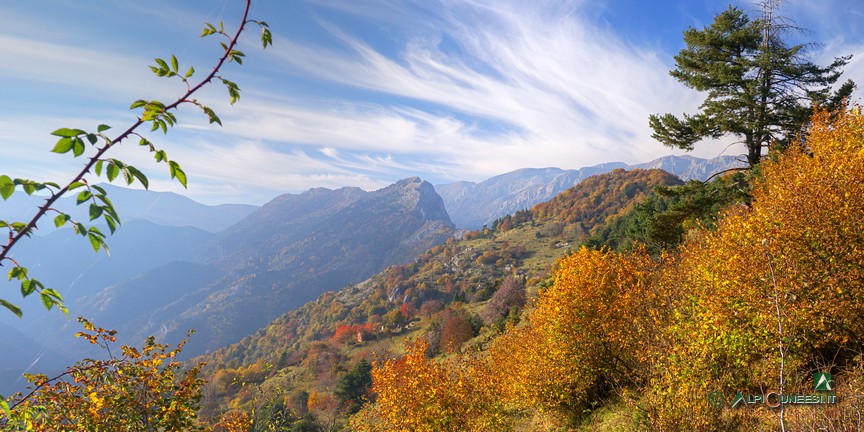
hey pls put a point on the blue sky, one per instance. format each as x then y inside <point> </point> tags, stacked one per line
<point>363,93</point>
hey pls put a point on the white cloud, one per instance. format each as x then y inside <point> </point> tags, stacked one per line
<point>563,91</point>
<point>479,88</point>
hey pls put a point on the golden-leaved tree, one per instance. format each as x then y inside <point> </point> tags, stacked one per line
<point>775,293</point>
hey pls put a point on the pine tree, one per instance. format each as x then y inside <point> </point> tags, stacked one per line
<point>759,89</point>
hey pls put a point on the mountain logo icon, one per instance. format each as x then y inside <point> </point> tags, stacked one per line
<point>739,398</point>
<point>822,381</point>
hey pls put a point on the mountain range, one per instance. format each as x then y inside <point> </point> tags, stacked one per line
<point>229,284</point>
<point>472,205</point>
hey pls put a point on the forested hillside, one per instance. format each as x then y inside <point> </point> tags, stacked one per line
<point>707,336</point>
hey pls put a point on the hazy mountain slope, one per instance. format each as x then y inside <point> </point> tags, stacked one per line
<point>20,353</point>
<point>471,205</point>
<point>161,208</point>
<point>282,255</point>
<point>65,261</point>
<point>693,168</point>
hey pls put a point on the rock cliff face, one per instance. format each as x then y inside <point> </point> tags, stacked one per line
<point>281,256</point>
<point>471,205</point>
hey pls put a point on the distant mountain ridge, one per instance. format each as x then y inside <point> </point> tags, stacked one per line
<point>160,208</point>
<point>471,205</point>
<point>284,254</point>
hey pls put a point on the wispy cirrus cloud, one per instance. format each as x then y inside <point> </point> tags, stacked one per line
<point>556,88</point>
<point>365,93</point>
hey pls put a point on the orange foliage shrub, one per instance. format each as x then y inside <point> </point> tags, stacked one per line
<point>589,330</point>
<point>419,394</point>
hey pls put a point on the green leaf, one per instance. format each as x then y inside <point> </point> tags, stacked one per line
<point>53,293</point>
<point>17,272</point>
<point>208,30</point>
<point>63,145</point>
<point>95,211</point>
<point>79,228</point>
<point>138,104</point>
<point>144,142</point>
<point>109,210</point>
<point>7,187</point>
<point>83,197</point>
<point>92,138</point>
<point>5,407</point>
<point>127,175</point>
<point>61,220</point>
<point>66,132</point>
<point>75,185</point>
<point>234,94</point>
<point>162,64</point>
<point>266,38</point>
<point>78,147</point>
<point>98,168</point>
<point>97,240</point>
<point>17,311</point>
<point>174,63</point>
<point>211,115</point>
<point>177,172</point>
<point>29,186</point>
<point>160,156</point>
<point>112,171</point>
<point>190,72</point>
<point>236,56</point>
<point>27,287</point>
<point>47,301</point>
<point>102,128</point>
<point>140,176</point>
<point>112,224</point>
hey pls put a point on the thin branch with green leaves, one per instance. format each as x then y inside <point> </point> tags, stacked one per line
<point>159,116</point>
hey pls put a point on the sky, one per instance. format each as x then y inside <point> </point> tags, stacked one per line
<point>364,93</point>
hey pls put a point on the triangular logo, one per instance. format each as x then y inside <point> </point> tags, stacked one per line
<point>738,399</point>
<point>822,381</point>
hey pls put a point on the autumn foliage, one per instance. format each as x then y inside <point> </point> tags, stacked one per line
<point>139,389</point>
<point>415,393</point>
<point>802,244</point>
<point>776,283</point>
